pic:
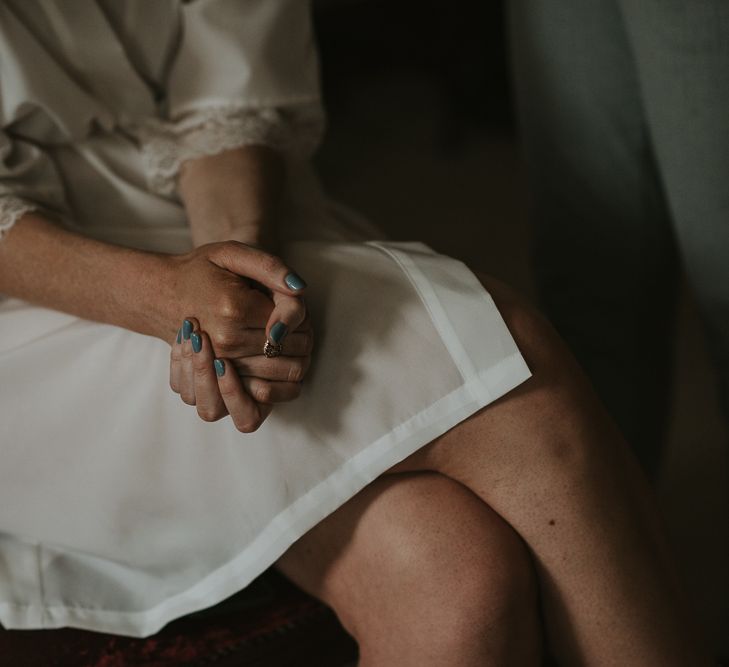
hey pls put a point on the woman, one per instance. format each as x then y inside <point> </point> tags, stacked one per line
<point>154,167</point>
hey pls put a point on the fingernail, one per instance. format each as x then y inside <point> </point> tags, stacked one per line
<point>186,329</point>
<point>294,281</point>
<point>179,335</point>
<point>278,332</point>
<point>196,342</point>
<point>219,367</point>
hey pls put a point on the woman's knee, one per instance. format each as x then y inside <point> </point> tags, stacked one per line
<point>435,561</point>
<point>543,349</point>
<point>560,411</point>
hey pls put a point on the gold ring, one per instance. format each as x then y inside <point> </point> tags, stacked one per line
<point>272,349</point>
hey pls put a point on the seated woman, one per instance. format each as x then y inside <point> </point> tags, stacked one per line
<point>444,477</point>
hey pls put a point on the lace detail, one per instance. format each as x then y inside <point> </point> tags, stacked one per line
<point>166,145</point>
<point>11,210</point>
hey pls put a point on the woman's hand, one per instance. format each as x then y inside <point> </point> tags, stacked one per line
<point>221,284</point>
<point>218,387</point>
<point>235,196</point>
<point>240,318</point>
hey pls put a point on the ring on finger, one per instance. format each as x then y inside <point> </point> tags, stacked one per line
<point>272,349</point>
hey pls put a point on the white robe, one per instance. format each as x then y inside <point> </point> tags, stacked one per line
<point>120,509</point>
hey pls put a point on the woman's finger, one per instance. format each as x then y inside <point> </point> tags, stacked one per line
<point>186,379</point>
<point>277,369</point>
<point>210,405</point>
<point>175,362</point>
<point>289,312</point>
<point>251,342</point>
<point>242,408</point>
<point>266,269</point>
<point>268,393</point>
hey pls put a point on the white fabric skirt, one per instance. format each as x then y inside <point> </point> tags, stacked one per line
<point>120,510</point>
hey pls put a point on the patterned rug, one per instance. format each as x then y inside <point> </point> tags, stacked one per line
<point>269,624</point>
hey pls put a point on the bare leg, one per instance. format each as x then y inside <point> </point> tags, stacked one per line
<point>552,464</point>
<point>423,574</point>
<point>549,461</point>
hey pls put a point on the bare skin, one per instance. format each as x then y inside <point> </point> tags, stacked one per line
<point>534,500</point>
<point>422,572</point>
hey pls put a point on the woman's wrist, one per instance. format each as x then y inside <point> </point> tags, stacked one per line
<point>260,233</point>
<point>151,304</point>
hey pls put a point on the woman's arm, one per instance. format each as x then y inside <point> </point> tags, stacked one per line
<point>146,292</point>
<point>229,196</point>
<point>151,293</point>
<point>47,265</point>
<point>234,195</point>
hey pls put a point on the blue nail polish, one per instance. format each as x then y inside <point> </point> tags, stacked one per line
<point>219,367</point>
<point>278,332</point>
<point>294,281</point>
<point>186,329</point>
<point>196,342</point>
<point>179,335</point>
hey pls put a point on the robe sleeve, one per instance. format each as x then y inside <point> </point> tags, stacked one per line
<point>28,181</point>
<point>245,72</point>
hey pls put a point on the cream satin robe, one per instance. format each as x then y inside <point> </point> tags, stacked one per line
<point>120,509</point>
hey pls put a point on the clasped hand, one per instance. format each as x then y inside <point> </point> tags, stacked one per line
<point>233,298</point>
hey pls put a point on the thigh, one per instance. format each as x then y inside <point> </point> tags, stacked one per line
<point>604,255</point>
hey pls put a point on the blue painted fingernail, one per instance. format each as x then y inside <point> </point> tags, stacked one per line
<point>278,332</point>
<point>196,342</point>
<point>179,335</point>
<point>186,329</point>
<point>219,367</point>
<point>294,281</point>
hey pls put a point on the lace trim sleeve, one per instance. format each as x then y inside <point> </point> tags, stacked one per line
<point>11,210</point>
<point>165,145</point>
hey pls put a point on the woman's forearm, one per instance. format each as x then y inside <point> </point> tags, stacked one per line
<point>230,196</point>
<point>234,195</point>
<point>46,265</point>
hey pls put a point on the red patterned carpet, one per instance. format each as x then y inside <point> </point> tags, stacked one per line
<point>269,624</point>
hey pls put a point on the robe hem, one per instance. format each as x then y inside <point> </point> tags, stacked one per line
<point>302,515</point>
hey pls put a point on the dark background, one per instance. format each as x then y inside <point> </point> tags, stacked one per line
<point>418,96</point>
<point>422,140</point>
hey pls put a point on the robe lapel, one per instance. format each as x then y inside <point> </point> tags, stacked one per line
<point>85,78</point>
<point>32,79</point>
<point>95,51</point>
